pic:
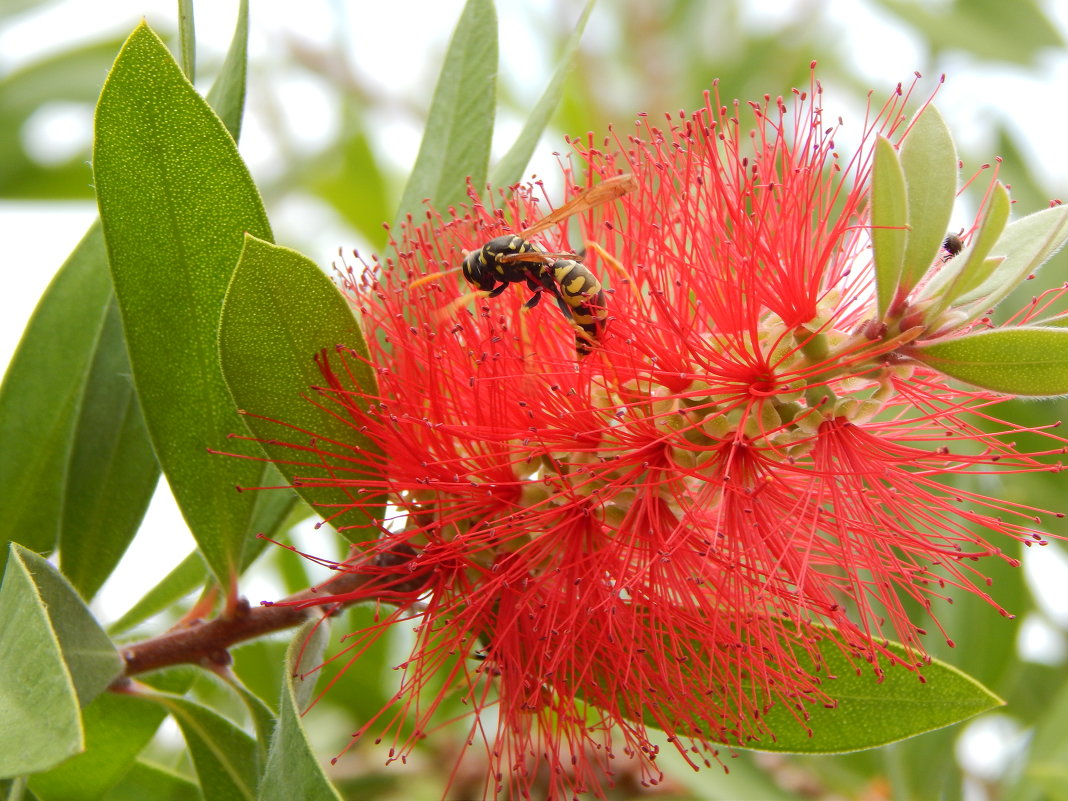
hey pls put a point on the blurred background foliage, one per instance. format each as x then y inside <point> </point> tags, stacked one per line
<point>330,130</point>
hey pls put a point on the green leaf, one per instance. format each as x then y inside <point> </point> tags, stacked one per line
<point>145,781</point>
<point>11,8</point>
<point>190,573</point>
<point>1026,244</point>
<point>281,311</point>
<point>273,511</point>
<point>889,221</point>
<point>224,756</point>
<point>743,781</point>
<point>1059,321</point>
<point>227,94</point>
<point>509,170</point>
<point>929,161</point>
<point>971,267</point>
<point>348,163</point>
<point>54,659</point>
<point>259,663</point>
<point>975,269</point>
<point>40,395</point>
<point>292,770</point>
<point>1017,361</point>
<point>459,129</point>
<point>993,656</point>
<point>117,728</point>
<point>175,200</point>
<point>366,691</point>
<point>39,721</point>
<point>263,717</point>
<point>871,713</point>
<point>991,30</point>
<point>1045,772</point>
<point>71,76</point>
<point>112,470</point>
<point>87,650</point>
<point>187,39</point>
<point>15,790</point>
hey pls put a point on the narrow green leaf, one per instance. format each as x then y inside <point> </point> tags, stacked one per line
<point>367,690</point>
<point>227,94</point>
<point>981,273</point>
<point>68,75</point>
<point>459,129</point>
<point>977,268</point>
<point>509,170</point>
<point>281,311</point>
<point>15,789</point>
<point>40,725</point>
<point>40,395</point>
<point>187,39</point>
<point>190,574</point>
<point>871,713</point>
<point>175,200</point>
<point>350,162</point>
<point>117,728</point>
<point>971,267</point>
<point>273,512</point>
<point>71,75</point>
<point>87,651</point>
<point>292,770</point>
<point>112,470</point>
<point>743,781</point>
<point>1026,244</point>
<point>1044,775</point>
<point>929,161</point>
<point>224,756</point>
<point>145,781</point>
<point>889,221</point>
<point>1018,361</point>
<point>1017,32</point>
<point>12,8</point>
<point>259,663</point>
<point>263,717</point>
<point>1060,321</point>
<point>993,656</point>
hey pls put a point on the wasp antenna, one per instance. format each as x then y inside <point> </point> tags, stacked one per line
<point>426,279</point>
<point>450,310</point>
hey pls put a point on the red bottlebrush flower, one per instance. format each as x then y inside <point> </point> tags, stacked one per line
<point>647,535</point>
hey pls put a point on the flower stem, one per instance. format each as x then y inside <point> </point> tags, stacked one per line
<point>207,642</point>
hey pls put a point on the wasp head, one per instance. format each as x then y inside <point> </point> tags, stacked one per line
<point>476,270</point>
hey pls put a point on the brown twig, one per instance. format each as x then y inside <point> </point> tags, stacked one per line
<point>208,642</point>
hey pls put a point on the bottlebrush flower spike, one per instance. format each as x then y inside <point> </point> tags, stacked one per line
<point>748,465</point>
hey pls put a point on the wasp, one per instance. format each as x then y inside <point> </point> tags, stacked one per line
<point>512,259</point>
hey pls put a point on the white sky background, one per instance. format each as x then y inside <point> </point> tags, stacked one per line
<point>397,48</point>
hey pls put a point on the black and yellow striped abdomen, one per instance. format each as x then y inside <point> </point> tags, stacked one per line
<point>583,294</point>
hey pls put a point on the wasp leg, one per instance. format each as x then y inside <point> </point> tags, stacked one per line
<point>497,291</point>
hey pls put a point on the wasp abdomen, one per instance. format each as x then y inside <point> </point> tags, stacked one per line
<point>583,294</point>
